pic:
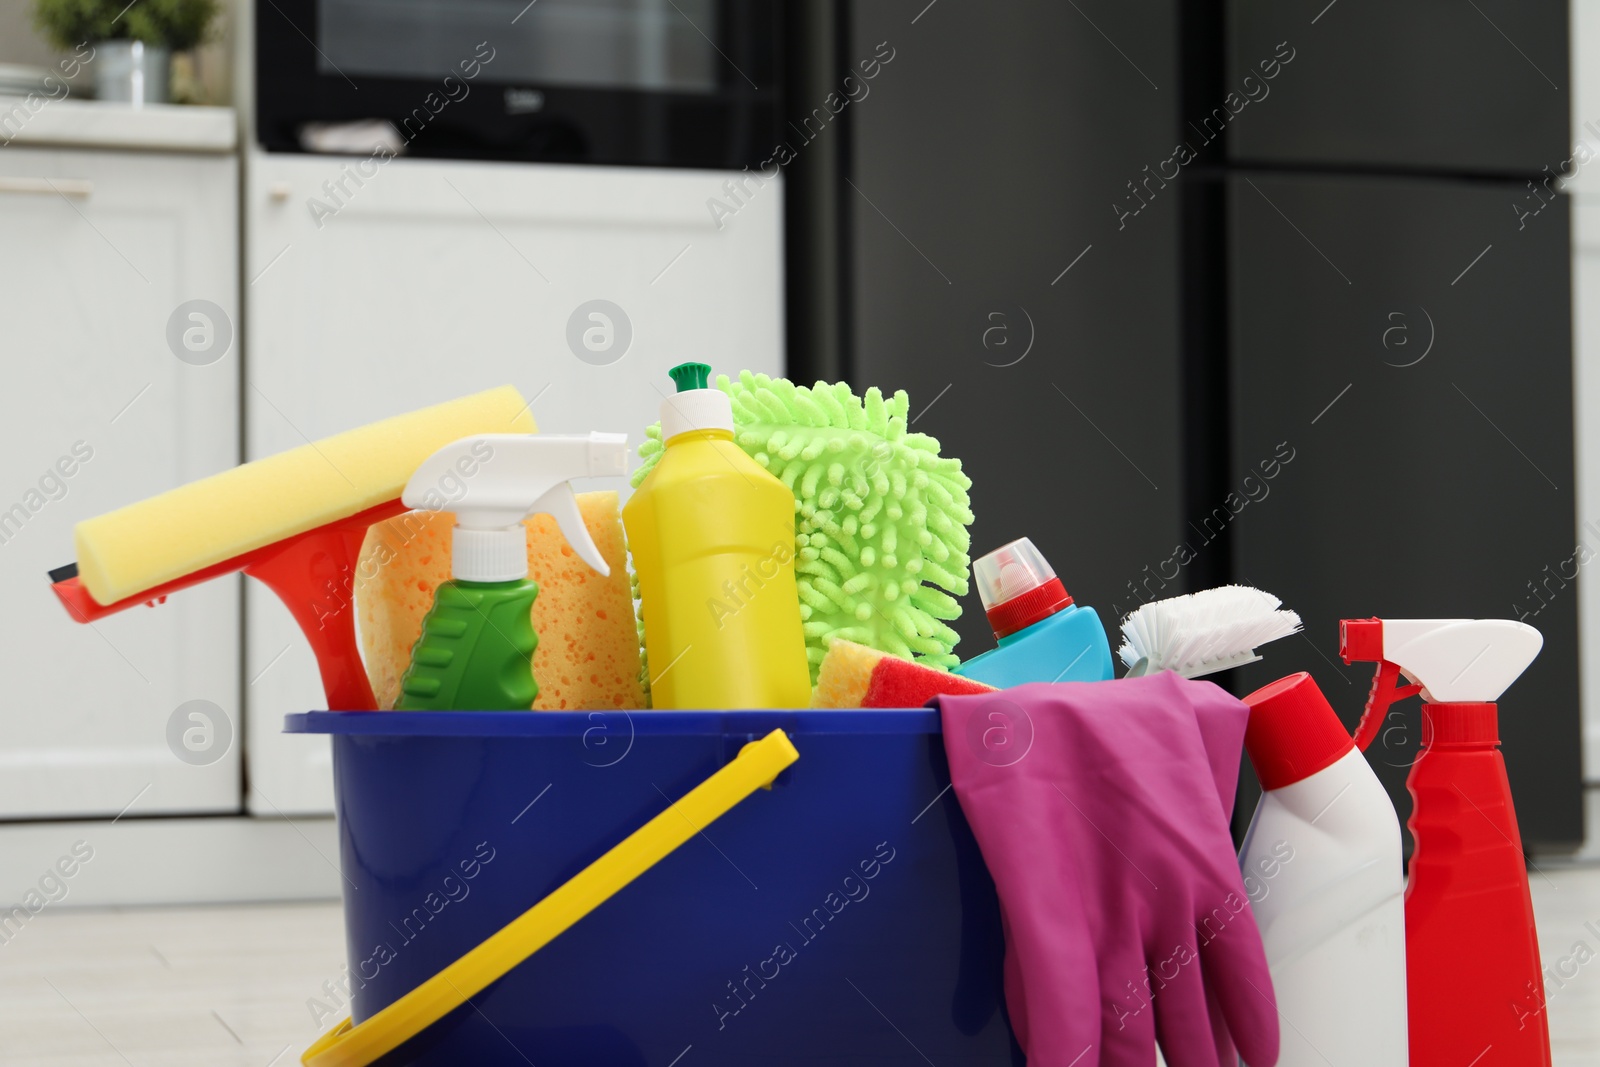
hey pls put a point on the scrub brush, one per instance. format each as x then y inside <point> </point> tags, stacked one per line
<point>1202,633</point>
<point>880,517</point>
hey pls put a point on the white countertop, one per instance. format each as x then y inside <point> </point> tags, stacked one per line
<point>93,124</point>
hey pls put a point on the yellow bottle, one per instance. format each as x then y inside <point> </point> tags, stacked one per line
<point>712,537</point>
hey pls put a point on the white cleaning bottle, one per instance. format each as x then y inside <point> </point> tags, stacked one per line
<point>1324,872</point>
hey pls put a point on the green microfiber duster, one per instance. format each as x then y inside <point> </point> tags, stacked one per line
<point>881,518</point>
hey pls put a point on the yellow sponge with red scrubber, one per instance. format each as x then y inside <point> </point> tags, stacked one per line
<point>855,676</point>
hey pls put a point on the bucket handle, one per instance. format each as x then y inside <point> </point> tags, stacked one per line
<point>347,1045</point>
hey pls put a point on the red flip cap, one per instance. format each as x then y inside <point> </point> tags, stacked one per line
<point>1020,612</point>
<point>1293,731</point>
<point>1018,587</point>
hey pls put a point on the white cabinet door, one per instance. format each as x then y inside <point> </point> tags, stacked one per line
<point>97,252</point>
<point>375,289</point>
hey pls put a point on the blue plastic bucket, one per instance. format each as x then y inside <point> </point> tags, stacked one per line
<point>843,917</point>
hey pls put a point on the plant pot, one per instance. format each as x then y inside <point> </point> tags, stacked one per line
<point>132,72</point>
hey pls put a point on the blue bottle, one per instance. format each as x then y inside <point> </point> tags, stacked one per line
<point>1043,635</point>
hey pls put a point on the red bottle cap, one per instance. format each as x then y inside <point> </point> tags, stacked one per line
<point>1467,724</point>
<point>1293,731</point>
<point>1022,611</point>
<point>1018,587</point>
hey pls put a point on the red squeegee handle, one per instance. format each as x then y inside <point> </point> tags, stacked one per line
<point>313,573</point>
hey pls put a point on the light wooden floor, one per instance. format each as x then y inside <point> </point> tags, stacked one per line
<point>228,986</point>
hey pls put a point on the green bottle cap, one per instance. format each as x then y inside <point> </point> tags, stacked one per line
<point>691,376</point>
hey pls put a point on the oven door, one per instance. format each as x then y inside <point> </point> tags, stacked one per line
<point>679,83</point>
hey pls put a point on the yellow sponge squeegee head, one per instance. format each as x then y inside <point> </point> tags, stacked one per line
<point>144,545</point>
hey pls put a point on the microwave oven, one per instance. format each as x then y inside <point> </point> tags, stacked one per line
<point>673,83</point>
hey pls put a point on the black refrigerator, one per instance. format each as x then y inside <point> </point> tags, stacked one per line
<point>1236,290</point>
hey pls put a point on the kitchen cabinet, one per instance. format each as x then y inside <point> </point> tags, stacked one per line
<point>377,287</point>
<point>102,252</point>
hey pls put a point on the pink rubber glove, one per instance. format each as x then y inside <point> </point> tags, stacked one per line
<point>1102,812</point>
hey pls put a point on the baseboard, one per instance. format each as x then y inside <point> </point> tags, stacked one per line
<point>102,863</point>
<point>1590,852</point>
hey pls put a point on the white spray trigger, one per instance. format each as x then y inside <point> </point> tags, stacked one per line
<point>561,504</point>
<point>1461,659</point>
<point>492,482</point>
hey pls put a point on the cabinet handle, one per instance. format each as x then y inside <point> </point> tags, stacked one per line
<point>75,187</point>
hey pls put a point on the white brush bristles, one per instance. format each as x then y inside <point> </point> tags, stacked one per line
<point>1199,633</point>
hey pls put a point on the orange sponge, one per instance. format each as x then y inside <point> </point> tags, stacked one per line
<point>855,676</point>
<point>588,654</point>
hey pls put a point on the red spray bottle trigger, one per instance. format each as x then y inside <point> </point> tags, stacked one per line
<point>1361,641</point>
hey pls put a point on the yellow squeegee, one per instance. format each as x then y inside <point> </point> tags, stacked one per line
<point>294,520</point>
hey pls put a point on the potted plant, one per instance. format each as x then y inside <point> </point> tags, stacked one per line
<point>133,42</point>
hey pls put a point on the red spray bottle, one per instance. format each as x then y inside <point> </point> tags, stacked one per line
<point>1474,985</point>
